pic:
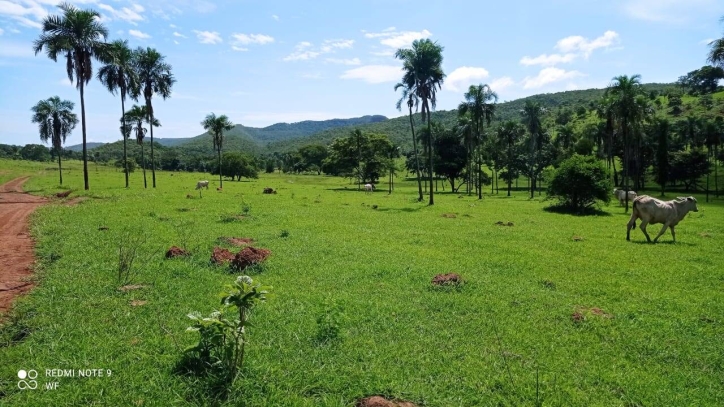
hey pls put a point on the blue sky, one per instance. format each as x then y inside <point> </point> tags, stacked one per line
<point>263,62</point>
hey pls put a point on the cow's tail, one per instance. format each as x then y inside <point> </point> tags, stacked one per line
<point>634,211</point>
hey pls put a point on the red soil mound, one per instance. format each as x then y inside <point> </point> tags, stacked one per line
<point>238,241</point>
<point>378,401</point>
<point>249,256</point>
<point>447,279</point>
<point>63,194</point>
<point>175,251</point>
<point>221,256</point>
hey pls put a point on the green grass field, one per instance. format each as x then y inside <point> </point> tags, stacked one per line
<point>657,341</point>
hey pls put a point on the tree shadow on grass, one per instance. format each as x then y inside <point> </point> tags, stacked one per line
<point>566,210</point>
<point>408,210</point>
<point>208,385</point>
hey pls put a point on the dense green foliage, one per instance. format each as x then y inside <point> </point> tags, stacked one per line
<point>580,182</point>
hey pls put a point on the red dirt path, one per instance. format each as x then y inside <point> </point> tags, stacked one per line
<point>16,247</point>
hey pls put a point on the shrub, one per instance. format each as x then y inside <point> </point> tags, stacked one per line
<point>580,182</point>
<point>222,335</point>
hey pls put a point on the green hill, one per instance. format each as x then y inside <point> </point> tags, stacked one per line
<point>398,129</point>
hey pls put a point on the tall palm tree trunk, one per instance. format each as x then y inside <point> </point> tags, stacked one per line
<point>143,163</point>
<point>429,150</point>
<point>716,171</point>
<point>417,157</point>
<point>60,169</point>
<point>153,161</point>
<point>532,169</point>
<point>125,139</point>
<point>85,150</point>
<point>625,169</point>
<point>221,184</point>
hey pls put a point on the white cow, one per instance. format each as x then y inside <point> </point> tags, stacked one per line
<point>620,194</point>
<point>202,184</point>
<point>652,210</point>
<point>369,188</point>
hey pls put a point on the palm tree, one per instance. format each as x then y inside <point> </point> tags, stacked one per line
<point>409,97</point>
<point>136,117</point>
<point>216,126</point>
<point>118,75</point>
<point>532,116</point>
<point>423,76</point>
<point>55,120</point>
<point>80,37</point>
<point>155,77</point>
<point>480,105</point>
<point>716,53</point>
<point>464,128</point>
<point>628,112</point>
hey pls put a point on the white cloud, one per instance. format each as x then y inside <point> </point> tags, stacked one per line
<point>374,73</point>
<point>172,25</point>
<point>21,13</point>
<point>125,13</point>
<point>246,39</point>
<point>305,51</point>
<point>707,41</point>
<point>275,17</point>
<point>178,34</point>
<point>461,78</point>
<point>208,37</point>
<point>138,34</point>
<point>502,83</point>
<point>353,61</point>
<point>670,11</point>
<point>315,75</point>
<point>579,44</point>
<point>176,42</point>
<point>66,82</point>
<point>240,49</point>
<point>1,31</point>
<point>548,60</point>
<point>390,37</point>
<point>549,75</point>
<point>386,53</point>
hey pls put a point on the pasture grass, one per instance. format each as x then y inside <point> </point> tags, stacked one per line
<point>555,310</point>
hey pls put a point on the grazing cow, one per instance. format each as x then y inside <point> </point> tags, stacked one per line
<point>620,194</point>
<point>202,184</point>
<point>652,210</point>
<point>369,188</point>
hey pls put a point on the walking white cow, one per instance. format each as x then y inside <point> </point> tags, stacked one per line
<point>369,188</point>
<point>202,184</point>
<point>620,194</point>
<point>652,210</point>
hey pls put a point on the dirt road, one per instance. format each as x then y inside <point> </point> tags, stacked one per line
<point>16,247</point>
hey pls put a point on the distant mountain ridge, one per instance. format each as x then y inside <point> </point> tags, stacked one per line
<point>277,132</point>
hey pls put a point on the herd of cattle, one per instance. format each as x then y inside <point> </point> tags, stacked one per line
<point>650,210</point>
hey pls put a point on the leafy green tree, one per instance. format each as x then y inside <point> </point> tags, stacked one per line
<point>410,98</point>
<point>313,156</point>
<point>56,120</point>
<point>510,134</point>
<point>423,76</point>
<point>451,154</point>
<point>532,119</point>
<point>688,167</point>
<point>479,104</point>
<point>238,165</point>
<point>79,36</point>
<point>135,119</point>
<point>118,75</point>
<point>35,152</point>
<point>361,156</point>
<point>216,126</point>
<point>155,78</point>
<point>702,81</point>
<point>579,183</point>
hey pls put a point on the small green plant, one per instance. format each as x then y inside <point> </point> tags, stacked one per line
<point>127,254</point>
<point>284,233</point>
<point>245,208</point>
<point>329,322</point>
<point>579,183</point>
<point>222,335</point>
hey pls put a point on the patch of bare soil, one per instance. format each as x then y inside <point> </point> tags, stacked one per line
<point>176,251</point>
<point>221,256</point>
<point>237,241</point>
<point>577,238</point>
<point>449,215</point>
<point>249,256</point>
<point>447,279</point>
<point>63,194</point>
<point>138,303</point>
<point>16,246</point>
<point>501,223</point>
<point>75,201</point>
<point>379,401</point>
